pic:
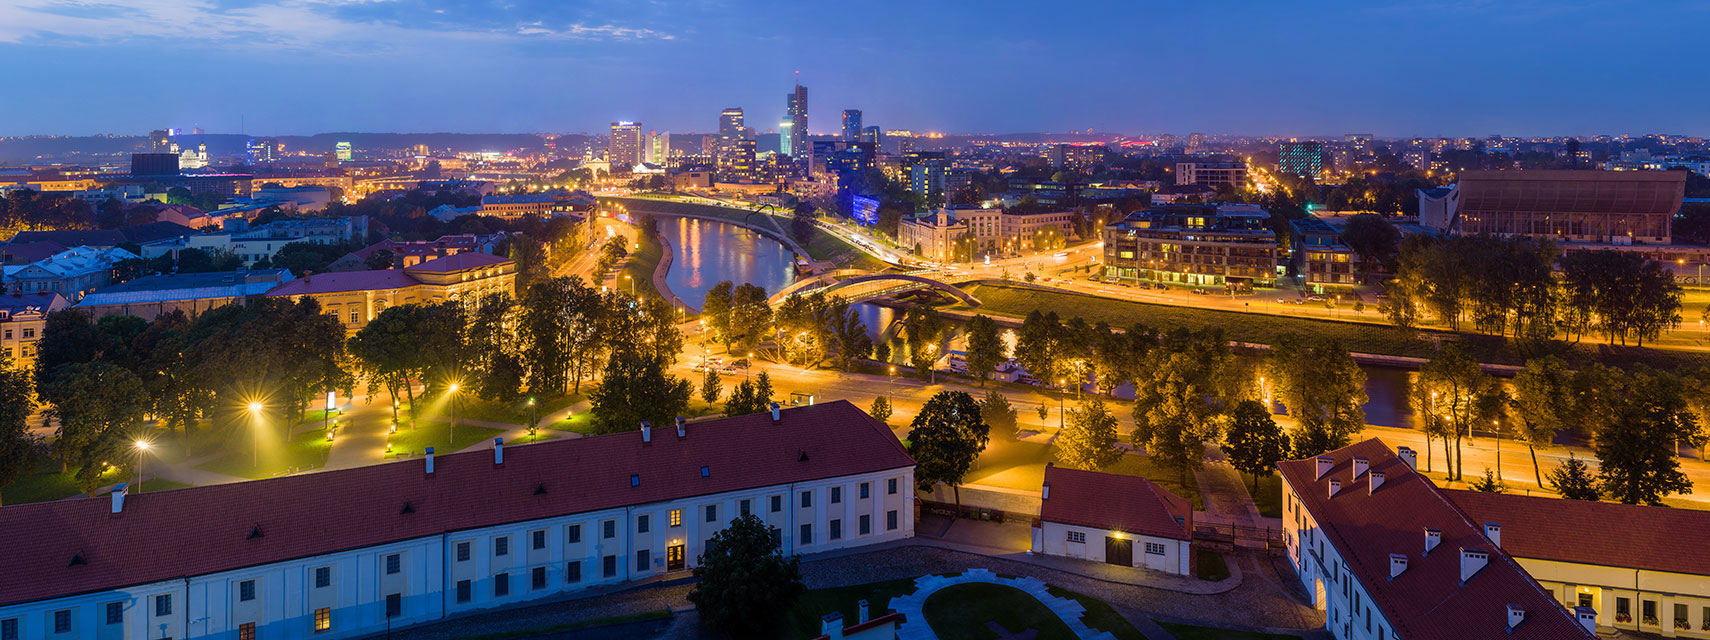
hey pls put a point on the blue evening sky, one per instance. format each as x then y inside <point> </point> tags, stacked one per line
<point>1449,67</point>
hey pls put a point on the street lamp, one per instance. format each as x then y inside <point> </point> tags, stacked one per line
<point>255,434</point>
<point>1060,395</point>
<point>451,434</point>
<point>142,448</point>
<point>532,420</point>
<point>631,285</point>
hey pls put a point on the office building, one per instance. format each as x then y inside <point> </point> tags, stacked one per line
<point>1227,245</point>
<point>1319,258</point>
<point>265,151</point>
<point>852,125</point>
<point>938,236</point>
<point>1604,207</point>
<point>658,148</point>
<point>1212,174</point>
<point>22,318</point>
<point>786,137</point>
<point>355,297</point>
<point>154,164</point>
<point>624,148</point>
<point>160,141</point>
<point>1115,519</point>
<point>150,297</point>
<point>873,136</point>
<point>1077,157</point>
<point>342,151</point>
<point>1304,159</point>
<point>354,552</point>
<point>796,112</point>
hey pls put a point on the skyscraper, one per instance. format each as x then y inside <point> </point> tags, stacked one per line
<point>786,136</point>
<point>795,111</point>
<point>1300,158</point>
<point>624,148</point>
<point>872,136</point>
<point>342,151</point>
<point>658,147</point>
<point>159,141</point>
<point>730,130</point>
<point>852,124</point>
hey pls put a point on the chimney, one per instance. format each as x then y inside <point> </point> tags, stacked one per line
<point>430,461</point>
<point>863,606</point>
<point>682,427</point>
<point>646,431</point>
<point>775,417</point>
<point>1045,491</point>
<point>1335,486</point>
<point>1433,538</point>
<point>831,626</point>
<point>1409,456</point>
<point>1494,532</point>
<point>1397,564</point>
<point>1374,479</point>
<point>1516,615</point>
<point>1324,464</point>
<point>1471,561</point>
<point>119,496</point>
<point>1587,618</point>
<point>498,451</point>
<point>1360,465</point>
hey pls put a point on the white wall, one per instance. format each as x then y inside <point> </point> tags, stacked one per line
<point>1349,614</point>
<point>1053,539</point>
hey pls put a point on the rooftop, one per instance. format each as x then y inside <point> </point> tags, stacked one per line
<point>188,286</point>
<point>1115,502</point>
<point>1635,536</point>
<point>340,281</point>
<point>458,262</point>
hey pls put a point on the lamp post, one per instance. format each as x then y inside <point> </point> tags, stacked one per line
<point>533,421</point>
<point>1060,394</point>
<point>255,434</point>
<point>451,434</point>
<point>1497,425</point>
<point>631,284</point>
<point>142,449</point>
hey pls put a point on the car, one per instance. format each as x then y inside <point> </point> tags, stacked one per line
<point>1315,298</point>
<point>698,368</point>
<point>1061,254</point>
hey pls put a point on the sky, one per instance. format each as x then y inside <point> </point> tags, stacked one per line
<point>1326,67</point>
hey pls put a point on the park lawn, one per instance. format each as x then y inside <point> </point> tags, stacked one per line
<point>1363,337</point>
<point>46,484</point>
<point>641,265</point>
<point>1269,496</point>
<point>1100,615</point>
<point>657,614</point>
<point>436,434</point>
<point>476,408</point>
<point>803,620</point>
<point>152,485</point>
<point>961,612</point>
<point>304,450</point>
<point>582,423</point>
<point>1194,632</point>
<point>1146,467</point>
<point>1209,565</point>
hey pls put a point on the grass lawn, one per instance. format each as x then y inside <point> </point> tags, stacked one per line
<point>1100,615</point>
<point>1269,496</point>
<point>1364,337</point>
<point>803,620</point>
<point>1192,632</point>
<point>582,423</point>
<point>469,406</point>
<point>1208,565</point>
<point>46,483</point>
<point>307,449</point>
<point>660,614</point>
<point>640,266</point>
<point>961,612</point>
<point>437,435</point>
<point>151,485</point>
<point>1145,467</point>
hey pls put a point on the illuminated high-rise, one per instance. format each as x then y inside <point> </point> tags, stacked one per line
<point>658,147</point>
<point>852,124</point>
<point>730,130</point>
<point>159,141</point>
<point>625,146</point>
<point>342,151</point>
<point>795,112</point>
<point>1304,158</point>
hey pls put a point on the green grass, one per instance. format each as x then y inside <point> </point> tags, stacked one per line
<point>1209,565</point>
<point>1146,467</point>
<point>961,612</point>
<point>304,450</point>
<point>641,265</point>
<point>1364,337</point>
<point>1193,632</point>
<point>517,413</point>
<point>582,423</point>
<point>46,484</point>
<point>659,614</point>
<point>1269,495</point>
<point>803,620</point>
<point>1100,615</point>
<point>437,435</point>
<point>151,485</point>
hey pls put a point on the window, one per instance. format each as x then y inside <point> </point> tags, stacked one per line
<point>394,605</point>
<point>777,503</point>
<point>610,529</point>
<point>1649,607</point>
<point>502,546</point>
<point>323,577</point>
<point>1680,616</point>
<point>246,631</point>
<point>29,333</point>
<point>163,605</point>
<point>537,578</point>
<point>836,530</point>
<point>464,592</point>
<point>1077,536</point>
<point>641,523</point>
<point>353,316</point>
<point>246,591</point>
<point>394,563</point>
<point>891,520</point>
<point>573,572</point>
<point>610,568</point>
<point>743,506</point>
<point>62,621</point>
<point>463,552</point>
<point>807,535</point>
<point>864,526</point>
<point>643,557</point>
<point>9,629</point>
<point>865,487</point>
<point>712,513</point>
<point>891,486</point>
<point>575,533</point>
<point>1155,548</point>
<point>676,517</point>
<point>538,539</point>
<point>807,499</point>
<point>323,619</point>
<point>115,613</point>
<point>501,585</point>
<point>1623,607</point>
<point>836,495</point>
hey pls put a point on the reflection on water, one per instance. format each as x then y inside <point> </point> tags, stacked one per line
<point>1386,397</point>
<point>707,252</point>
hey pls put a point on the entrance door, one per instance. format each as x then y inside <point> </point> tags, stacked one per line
<point>1119,552</point>
<point>1585,599</point>
<point>674,558</point>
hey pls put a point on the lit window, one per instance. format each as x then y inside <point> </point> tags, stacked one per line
<point>323,619</point>
<point>676,517</point>
<point>246,631</point>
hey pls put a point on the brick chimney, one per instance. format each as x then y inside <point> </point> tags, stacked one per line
<point>1324,464</point>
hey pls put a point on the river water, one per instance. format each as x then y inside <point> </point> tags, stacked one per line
<point>708,252</point>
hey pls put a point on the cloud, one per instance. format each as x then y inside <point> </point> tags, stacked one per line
<point>581,31</point>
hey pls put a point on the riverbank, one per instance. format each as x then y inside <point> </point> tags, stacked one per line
<point>823,248</point>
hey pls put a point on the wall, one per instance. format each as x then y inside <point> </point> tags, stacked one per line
<point>1052,539</point>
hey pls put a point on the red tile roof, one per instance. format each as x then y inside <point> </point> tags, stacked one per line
<point>892,618</point>
<point>1630,536</point>
<point>1115,502</point>
<point>338,281</point>
<point>189,532</point>
<point>459,262</point>
<point>1427,601</point>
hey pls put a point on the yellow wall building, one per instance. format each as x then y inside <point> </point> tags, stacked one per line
<point>356,297</point>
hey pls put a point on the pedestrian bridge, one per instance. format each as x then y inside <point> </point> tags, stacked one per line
<point>861,288</point>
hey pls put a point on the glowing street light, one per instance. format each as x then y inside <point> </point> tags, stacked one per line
<point>255,434</point>
<point>142,449</point>
<point>451,434</point>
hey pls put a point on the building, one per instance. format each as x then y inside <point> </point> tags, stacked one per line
<point>1078,157</point>
<point>1212,174</point>
<point>342,151</point>
<point>71,273</point>
<point>1319,258</point>
<point>356,297</point>
<point>1301,158</point>
<point>1197,245</point>
<point>1606,207</point>
<point>1385,555</point>
<point>935,236</point>
<point>525,204</point>
<point>1437,206</point>
<point>159,141</point>
<point>22,317</point>
<point>624,149</point>
<point>303,198</point>
<point>796,114</point>
<point>873,136</point>
<point>1183,194</point>
<point>353,552</point>
<point>150,297</point>
<point>411,253</point>
<point>1113,518</point>
<point>851,125</point>
<point>265,151</point>
<point>154,164</point>
<point>658,148</point>
<point>730,131</point>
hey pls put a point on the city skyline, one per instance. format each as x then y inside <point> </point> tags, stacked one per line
<point>1480,69</point>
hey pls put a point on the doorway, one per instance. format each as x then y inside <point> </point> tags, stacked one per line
<point>1119,552</point>
<point>674,560</point>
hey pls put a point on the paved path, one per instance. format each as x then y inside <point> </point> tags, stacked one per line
<point>913,606</point>
<point>1223,491</point>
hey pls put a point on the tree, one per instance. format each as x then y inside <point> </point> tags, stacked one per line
<point>1036,344</point>
<point>750,314</point>
<point>881,409</point>
<point>744,584</point>
<point>1574,480</point>
<point>635,388</point>
<point>845,333</point>
<point>1088,440</point>
<point>17,448</point>
<point>1175,412</point>
<point>715,308</point>
<point>925,328</point>
<point>1628,294</point>
<point>1373,239</point>
<point>1635,451</point>
<point>985,347</point>
<point>1543,404</point>
<point>997,413</point>
<point>1461,395</point>
<point>1322,387</point>
<point>711,386</point>
<point>750,397</point>
<point>1489,483</point>
<point>945,439</point>
<point>1254,443</point>
<point>96,405</point>
<point>380,259</point>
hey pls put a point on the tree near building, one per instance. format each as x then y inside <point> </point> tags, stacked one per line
<point>1088,440</point>
<point>1489,483</point>
<point>997,413</point>
<point>1542,404</point>
<point>750,315</point>
<point>881,409</point>
<point>1254,442</point>
<point>1462,396</point>
<point>1036,344</point>
<point>924,329</point>
<point>715,310</point>
<point>1635,451</point>
<point>744,583</point>
<point>17,448</point>
<point>635,388</point>
<point>96,405</point>
<point>985,347</point>
<point>1373,239</point>
<point>711,386</point>
<point>1175,412</point>
<point>1322,387</point>
<point>1575,480</point>
<point>945,439</point>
